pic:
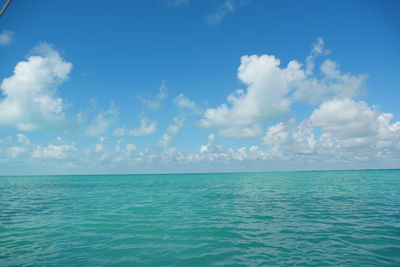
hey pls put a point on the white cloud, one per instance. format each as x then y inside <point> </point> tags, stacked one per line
<point>276,135</point>
<point>355,124</point>
<point>293,139</point>
<point>226,7</point>
<point>271,89</point>
<point>146,127</point>
<point>265,98</point>
<point>317,50</point>
<point>211,146</point>
<point>16,151</point>
<point>102,122</point>
<point>176,3</point>
<point>53,151</point>
<point>351,131</point>
<point>129,148</point>
<point>99,147</point>
<point>49,151</point>
<point>6,37</point>
<point>154,102</point>
<point>254,130</point>
<point>184,102</point>
<point>23,139</point>
<point>172,130</point>
<point>30,95</point>
<point>331,83</point>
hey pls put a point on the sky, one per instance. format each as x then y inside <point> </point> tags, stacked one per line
<point>170,86</point>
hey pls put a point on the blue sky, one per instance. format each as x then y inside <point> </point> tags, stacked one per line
<point>198,86</point>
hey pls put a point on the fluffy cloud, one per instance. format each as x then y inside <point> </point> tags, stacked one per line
<point>241,131</point>
<point>184,102</point>
<point>25,148</point>
<point>294,139</point>
<point>53,151</point>
<point>276,135</point>
<point>351,130</point>
<point>355,124</point>
<point>265,97</point>
<point>6,37</point>
<point>271,89</point>
<point>100,146</point>
<point>172,130</point>
<point>30,99</point>
<point>211,146</point>
<point>154,102</point>
<point>146,127</point>
<point>102,121</point>
<point>332,83</point>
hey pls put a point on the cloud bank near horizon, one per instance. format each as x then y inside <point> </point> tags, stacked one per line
<point>340,129</point>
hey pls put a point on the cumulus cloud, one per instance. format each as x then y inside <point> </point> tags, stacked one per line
<point>332,83</point>
<point>129,148</point>
<point>146,127</point>
<point>265,97</point>
<point>53,151</point>
<point>254,130</point>
<point>356,124</point>
<point>172,130</point>
<point>26,149</point>
<point>102,121</point>
<point>293,139</point>
<point>276,135</point>
<point>100,145</point>
<point>30,99</point>
<point>347,130</point>
<point>211,146</point>
<point>184,102</point>
<point>271,89</point>
<point>6,37</point>
<point>154,102</point>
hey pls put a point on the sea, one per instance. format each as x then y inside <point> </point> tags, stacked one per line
<point>321,218</point>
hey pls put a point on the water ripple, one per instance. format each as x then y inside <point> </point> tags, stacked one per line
<point>285,219</point>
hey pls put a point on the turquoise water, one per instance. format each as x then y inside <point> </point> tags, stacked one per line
<point>305,218</point>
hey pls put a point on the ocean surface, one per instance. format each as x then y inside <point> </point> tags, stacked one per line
<point>339,218</point>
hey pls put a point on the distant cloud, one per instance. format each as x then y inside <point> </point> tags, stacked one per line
<point>6,37</point>
<point>223,9</point>
<point>211,146</point>
<point>252,131</point>
<point>102,121</point>
<point>30,95</point>
<point>26,148</point>
<point>154,102</point>
<point>172,130</point>
<point>146,127</point>
<point>184,102</point>
<point>176,3</point>
<point>53,151</point>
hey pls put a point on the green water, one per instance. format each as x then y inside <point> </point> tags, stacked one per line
<point>253,219</point>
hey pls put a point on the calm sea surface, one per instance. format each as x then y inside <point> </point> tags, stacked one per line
<point>248,219</point>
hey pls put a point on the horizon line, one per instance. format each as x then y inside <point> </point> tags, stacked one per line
<point>187,173</point>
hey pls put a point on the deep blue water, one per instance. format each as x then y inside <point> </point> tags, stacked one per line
<point>341,218</point>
